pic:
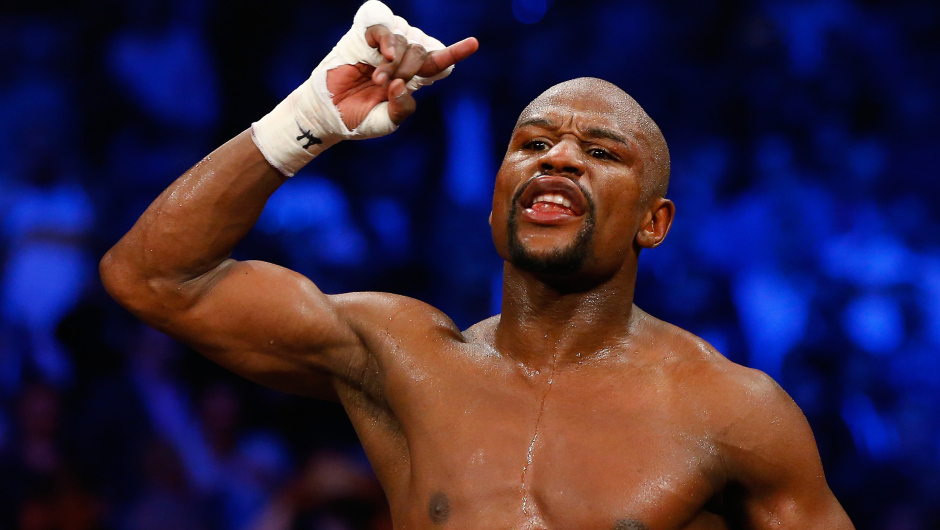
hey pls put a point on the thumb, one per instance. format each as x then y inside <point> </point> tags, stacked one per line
<point>401,103</point>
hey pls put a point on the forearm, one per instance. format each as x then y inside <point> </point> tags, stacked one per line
<point>192,227</point>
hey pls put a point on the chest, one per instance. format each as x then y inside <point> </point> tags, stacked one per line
<point>583,448</point>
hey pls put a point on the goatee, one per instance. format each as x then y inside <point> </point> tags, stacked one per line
<point>560,261</point>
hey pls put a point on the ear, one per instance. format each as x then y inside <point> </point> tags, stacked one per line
<point>491,218</point>
<point>656,223</point>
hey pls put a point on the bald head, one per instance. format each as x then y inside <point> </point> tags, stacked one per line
<point>633,119</point>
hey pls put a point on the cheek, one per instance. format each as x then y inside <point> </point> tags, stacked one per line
<point>618,220</point>
<point>508,178</point>
<point>499,215</point>
<point>502,195</point>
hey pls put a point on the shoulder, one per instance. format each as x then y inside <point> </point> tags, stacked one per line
<point>393,331</point>
<point>739,400</point>
<point>764,443</point>
<point>752,422</point>
<point>743,402</point>
<point>700,362</point>
<point>376,316</point>
<point>483,331</point>
<point>692,359</point>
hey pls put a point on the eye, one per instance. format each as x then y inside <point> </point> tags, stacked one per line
<point>600,153</point>
<point>535,145</point>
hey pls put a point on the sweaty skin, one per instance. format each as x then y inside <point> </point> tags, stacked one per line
<point>572,409</point>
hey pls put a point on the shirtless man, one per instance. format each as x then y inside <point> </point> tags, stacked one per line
<point>573,409</point>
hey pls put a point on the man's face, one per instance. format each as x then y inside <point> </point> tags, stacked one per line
<point>568,196</point>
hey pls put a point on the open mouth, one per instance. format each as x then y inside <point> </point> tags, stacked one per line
<point>551,199</point>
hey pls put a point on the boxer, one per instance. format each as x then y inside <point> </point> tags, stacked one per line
<point>572,408</point>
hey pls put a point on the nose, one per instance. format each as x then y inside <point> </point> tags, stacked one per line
<point>565,158</point>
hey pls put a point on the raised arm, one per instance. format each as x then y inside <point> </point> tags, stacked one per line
<point>775,473</point>
<point>262,321</point>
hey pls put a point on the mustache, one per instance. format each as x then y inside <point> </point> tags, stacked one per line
<point>516,196</point>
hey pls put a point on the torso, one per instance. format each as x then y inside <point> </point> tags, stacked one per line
<point>475,440</point>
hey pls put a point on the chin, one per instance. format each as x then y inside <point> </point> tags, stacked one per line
<point>563,260</point>
<point>546,264</point>
<point>558,261</point>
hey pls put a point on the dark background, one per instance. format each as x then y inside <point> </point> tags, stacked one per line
<point>804,141</point>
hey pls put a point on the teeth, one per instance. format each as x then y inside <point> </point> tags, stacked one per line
<point>553,198</point>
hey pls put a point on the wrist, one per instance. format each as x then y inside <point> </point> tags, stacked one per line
<point>298,129</point>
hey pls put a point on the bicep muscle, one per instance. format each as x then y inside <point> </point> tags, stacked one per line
<point>268,324</point>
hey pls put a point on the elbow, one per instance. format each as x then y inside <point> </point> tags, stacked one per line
<point>110,275</point>
<point>153,297</point>
<point>119,280</point>
<point>127,283</point>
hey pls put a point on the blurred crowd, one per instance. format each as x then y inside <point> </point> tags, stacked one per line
<point>804,141</point>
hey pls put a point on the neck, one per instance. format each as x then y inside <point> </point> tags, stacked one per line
<point>545,322</point>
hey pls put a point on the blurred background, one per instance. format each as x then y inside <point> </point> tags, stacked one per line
<point>804,137</point>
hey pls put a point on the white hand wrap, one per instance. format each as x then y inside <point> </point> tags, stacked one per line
<point>307,122</point>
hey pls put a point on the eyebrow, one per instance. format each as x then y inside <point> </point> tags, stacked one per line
<point>594,132</point>
<point>601,132</point>
<point>537,122</point>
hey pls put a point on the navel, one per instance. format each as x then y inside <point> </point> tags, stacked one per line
<point>630,524</point>
<point>439,508</point>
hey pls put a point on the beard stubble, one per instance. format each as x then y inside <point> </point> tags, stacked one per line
<point>557,262</point>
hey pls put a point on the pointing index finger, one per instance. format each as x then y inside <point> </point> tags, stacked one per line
<point>441,60</point>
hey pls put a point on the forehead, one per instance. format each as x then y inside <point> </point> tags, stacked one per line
<point>585,108</point>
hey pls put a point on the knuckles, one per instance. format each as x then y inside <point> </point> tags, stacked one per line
<point>398,41</point>
<point>419,50</point>
<point>402,58</point>
<point>401,46</point>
